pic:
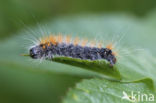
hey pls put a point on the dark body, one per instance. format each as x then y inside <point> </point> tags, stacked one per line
<point>74,51</point>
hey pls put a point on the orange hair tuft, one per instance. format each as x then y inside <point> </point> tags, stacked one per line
<point>84,42</point>
<point>68,39</point>
<point>76,41</point>
<point>52,39</point>
<point>109,46</point>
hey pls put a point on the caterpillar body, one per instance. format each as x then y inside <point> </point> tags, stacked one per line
<point>51,46</point>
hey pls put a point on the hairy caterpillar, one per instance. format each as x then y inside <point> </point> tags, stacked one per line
<point>58,45</point>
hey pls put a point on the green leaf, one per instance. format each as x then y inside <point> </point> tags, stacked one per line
<point>97,66</point>
<point>147,81</point>
<point>138,66</point>
<point>104,91</point>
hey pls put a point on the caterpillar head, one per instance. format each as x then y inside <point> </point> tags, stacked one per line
<point>36,52</point>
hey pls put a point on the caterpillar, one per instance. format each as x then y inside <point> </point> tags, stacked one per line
<point>58,45</point>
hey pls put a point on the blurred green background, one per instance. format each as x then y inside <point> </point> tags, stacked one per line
<point>17,14</point>
<point>29,83</point>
